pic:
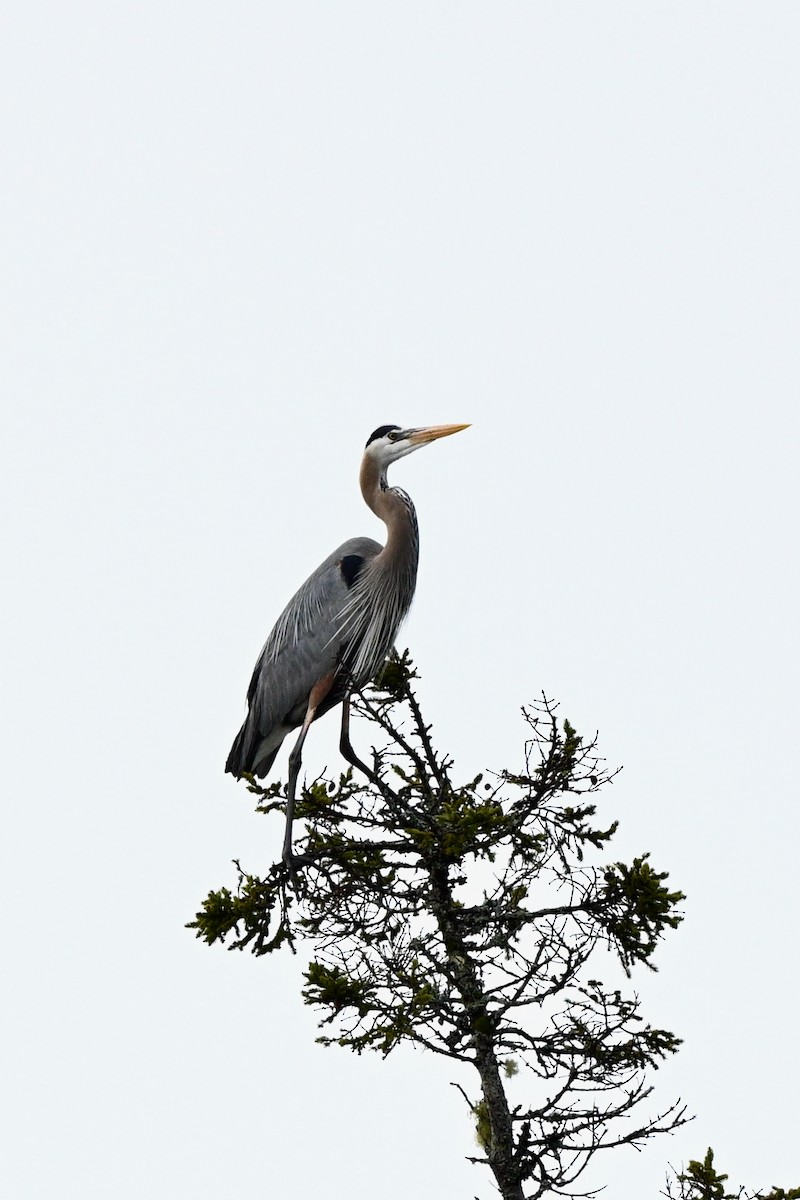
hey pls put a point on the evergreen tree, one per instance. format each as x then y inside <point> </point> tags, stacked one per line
<point>469,918</point>
<point>702,1181</point>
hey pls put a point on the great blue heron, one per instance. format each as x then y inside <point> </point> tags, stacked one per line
<point>337,629</point>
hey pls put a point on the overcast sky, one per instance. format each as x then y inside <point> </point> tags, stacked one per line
<point>236,238</point>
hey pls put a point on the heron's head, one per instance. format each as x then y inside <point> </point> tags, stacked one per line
<point>390,442</point>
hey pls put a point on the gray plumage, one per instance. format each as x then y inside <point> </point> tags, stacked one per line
<point>307,643</point>
<point>336,631</point>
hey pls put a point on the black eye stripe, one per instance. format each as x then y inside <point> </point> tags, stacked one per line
<point>382,431</point>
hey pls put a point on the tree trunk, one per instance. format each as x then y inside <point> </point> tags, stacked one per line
<point>500,1148</point>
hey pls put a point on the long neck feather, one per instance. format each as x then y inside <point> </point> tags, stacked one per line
<point>384,591</point>
<point>395,509</point>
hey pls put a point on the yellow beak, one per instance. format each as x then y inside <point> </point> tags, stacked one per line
<point>421,436</point>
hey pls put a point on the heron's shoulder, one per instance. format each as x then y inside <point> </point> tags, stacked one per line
<point>316,606</point>
<point>358,547</point>
<point>329,572</point>
<point>346,563</point>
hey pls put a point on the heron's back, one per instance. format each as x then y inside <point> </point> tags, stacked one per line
<point>306,644</point>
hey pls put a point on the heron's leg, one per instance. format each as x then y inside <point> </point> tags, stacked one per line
<point>346,748</point>
<point>295,761</point>
<point>318,694</point>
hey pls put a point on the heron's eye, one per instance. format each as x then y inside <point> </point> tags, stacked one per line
<point>393,435</point>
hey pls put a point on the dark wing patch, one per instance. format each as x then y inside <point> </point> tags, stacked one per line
<point>381,432</point>
<point>305,645</point>
<point>352,565</point>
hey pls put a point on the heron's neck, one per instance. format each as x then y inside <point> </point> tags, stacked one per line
<point>393,507</point>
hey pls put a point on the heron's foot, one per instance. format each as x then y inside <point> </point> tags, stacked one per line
<point>292,863</point>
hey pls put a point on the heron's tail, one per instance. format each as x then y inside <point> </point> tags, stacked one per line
<point>251,752</point>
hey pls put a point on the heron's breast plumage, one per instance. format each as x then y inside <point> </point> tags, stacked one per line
<point>381,597</point>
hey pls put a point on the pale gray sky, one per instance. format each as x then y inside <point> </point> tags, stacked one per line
<point>236,238</point>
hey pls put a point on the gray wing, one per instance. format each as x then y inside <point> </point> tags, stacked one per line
<point>305,646</point>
